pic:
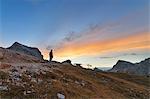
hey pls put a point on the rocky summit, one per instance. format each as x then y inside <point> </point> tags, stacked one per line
<point>26,50</point>
<point>11,56</point>
<point>141,68</point>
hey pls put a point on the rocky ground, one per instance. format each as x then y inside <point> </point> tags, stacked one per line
<point>65,81</point>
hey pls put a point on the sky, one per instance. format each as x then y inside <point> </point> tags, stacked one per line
<point>96,32</point>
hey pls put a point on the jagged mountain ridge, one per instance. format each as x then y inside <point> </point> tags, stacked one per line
<point>141,68</point>
<point>26,50</point>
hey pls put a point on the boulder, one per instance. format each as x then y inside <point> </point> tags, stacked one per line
<point>67,62</point>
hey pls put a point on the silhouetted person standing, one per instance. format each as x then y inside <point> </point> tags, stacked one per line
<point>51,55</point>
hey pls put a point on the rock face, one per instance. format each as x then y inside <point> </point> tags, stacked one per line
<point>26,50</point>
<point>142,68</point>
<point>122,66</point>
<point>10,56</point>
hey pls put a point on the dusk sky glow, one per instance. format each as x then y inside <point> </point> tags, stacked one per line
<point>96,32</point>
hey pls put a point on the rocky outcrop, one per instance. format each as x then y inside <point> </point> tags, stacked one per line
<point>67,62</point>
<point>10,56</point>
<point>97,69</point>
<point>122,66</point>
<point>141,68</point>
<point>26,50</point>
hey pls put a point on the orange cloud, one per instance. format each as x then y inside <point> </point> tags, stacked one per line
<point>102,38</point>
<point>76,49</point>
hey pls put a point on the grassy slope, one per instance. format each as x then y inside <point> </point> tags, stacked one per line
<point>78,83</point>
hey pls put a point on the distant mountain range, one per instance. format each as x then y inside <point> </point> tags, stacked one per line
<point>141,68</point>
